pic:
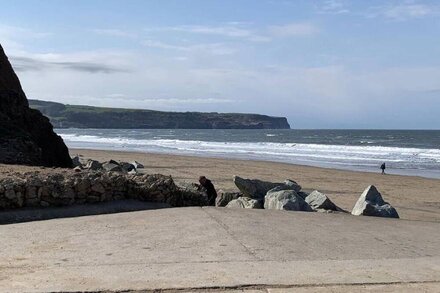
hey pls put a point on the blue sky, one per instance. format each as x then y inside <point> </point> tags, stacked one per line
<point>322,64</point>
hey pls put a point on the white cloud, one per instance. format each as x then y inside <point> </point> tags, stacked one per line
<point>12,37</point>
<point>227,31</point>
<point>88,62</point>
<point>21,33</point>
<point>114,33</point>
<point>404,11</point>
<point>312,96</point>
<point>231,30</point>
<point>213,48</point>
<point>332,7</point>
<point>293,29</point>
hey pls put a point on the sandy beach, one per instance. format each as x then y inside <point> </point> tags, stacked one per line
<point>415,198</point>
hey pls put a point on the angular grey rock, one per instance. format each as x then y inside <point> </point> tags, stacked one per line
<point>287,200</point>
<point>303,194</point>
<point>245,203</point>
<point>320,201</point>
<point>280,188</point>
<point>127,167</point>
<point>254,188</point>
<point>93,165</point>
<point>192,194</point>
<point>371,203</point>
<point>223,198</point>
<point>76,161</point>
<point>112,167</point>
<point>137,165</point>
<point>293,185</point>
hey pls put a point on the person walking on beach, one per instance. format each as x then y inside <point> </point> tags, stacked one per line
<point>210,189</point>
<point>382,167</point>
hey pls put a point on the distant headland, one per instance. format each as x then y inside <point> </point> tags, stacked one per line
<point>78,116</point>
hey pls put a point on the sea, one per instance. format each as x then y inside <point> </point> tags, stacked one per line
<point>405,152</point>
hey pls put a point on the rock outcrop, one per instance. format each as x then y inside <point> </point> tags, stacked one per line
<point>320,201</point>
<point>371,203</point>
<point>254,188</point>
<point>245,203</point>
<point>292,185</point>
<point>26,136</point>
<point>287,200</point>
<point>223,198</point>
<point>192,194</point>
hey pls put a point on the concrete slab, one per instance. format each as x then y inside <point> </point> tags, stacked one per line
<point>215,248</point>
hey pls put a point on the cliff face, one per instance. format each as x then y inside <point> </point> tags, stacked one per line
<point>26,136</point>
<point>64,116</point>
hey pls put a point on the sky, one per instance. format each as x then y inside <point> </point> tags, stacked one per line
<point>321,64</point>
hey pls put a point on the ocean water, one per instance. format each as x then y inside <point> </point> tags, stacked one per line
<point>407,152</point>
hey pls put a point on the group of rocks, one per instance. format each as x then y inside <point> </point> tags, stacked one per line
<point>110,166</point>
<point>288,195</point>
<point>93,182</point>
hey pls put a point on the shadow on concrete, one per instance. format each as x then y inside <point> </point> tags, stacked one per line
<point>38,214</point>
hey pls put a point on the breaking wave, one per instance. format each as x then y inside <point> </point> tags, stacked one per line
<point>358,157</point>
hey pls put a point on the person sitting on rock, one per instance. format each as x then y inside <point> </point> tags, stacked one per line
<point>210,189</point>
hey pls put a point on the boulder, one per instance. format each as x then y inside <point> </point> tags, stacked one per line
<point>112,167</point>
<point>137,165</point>
<point>26,136</point>
<point>76,162</point>
<point>93,165</point>
<point>127,167</point>
<point>292,185</point>
<point>223,198</point>
<point>371,203</point>
<point>245,203</point>
<point>320,201</point>
<point>303,194</point>
<point>192,194</point>
<point>254,188</point>
<point>287,200</point>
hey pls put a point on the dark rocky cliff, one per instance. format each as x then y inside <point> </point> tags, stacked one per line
<point>26,136</point>
<point>65,116</point>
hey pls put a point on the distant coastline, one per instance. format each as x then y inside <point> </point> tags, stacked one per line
<point>79,116</point>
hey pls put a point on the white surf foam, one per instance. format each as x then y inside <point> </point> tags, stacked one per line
<point>290,152</point>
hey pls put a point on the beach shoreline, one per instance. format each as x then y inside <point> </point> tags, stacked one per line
<point>404,152</point>
<point>415,198</point>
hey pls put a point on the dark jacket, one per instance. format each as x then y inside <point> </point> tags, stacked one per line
<point>210,190</point>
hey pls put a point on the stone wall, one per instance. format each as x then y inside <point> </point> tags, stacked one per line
<point>62,189</point>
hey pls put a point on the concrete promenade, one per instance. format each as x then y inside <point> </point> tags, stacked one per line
<point>215,249</point>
